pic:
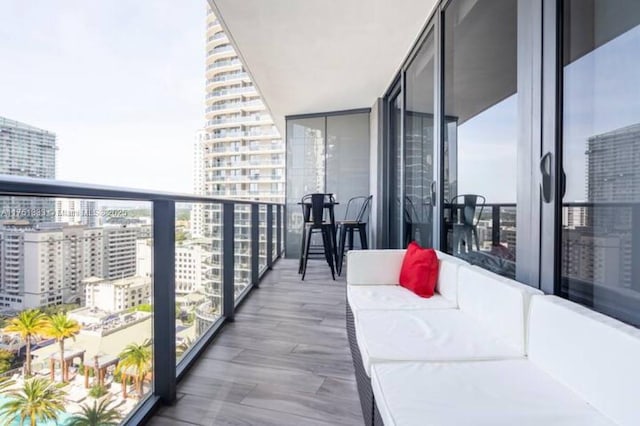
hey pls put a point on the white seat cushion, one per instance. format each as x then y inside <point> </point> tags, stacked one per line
<point>374,267</point>
<point>498,303</point>
<point>392,297</point>
<point>434,335</point>
<point>447,284</point>
<point>594,355</point>
<point>486,393</point>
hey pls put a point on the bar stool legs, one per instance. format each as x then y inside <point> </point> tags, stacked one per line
<point>327,243</point>
<point>346,232</point>
<point>302,250</point>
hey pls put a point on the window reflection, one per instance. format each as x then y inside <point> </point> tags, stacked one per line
<point>396,238</point>
<point>600,256</point>
<point>480,133</point>
<point>418,150</point>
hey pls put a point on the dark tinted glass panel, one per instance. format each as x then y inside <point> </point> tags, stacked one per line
<point>348,162</point>
<point>305,172</point>
<point>600,255</point>
<point>396,237</point>
<point>418,150</point>
<point>480,131</point>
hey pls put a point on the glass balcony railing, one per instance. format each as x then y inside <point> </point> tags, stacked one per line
<point>235,104</point>
<point>244,119</point>
<point>174,289</point>
<point>217,36</point>
<point>233,91</point>
<point>220,49</point>
<point>494,233</point>
<point>227,77</point>
<point>219,63</point>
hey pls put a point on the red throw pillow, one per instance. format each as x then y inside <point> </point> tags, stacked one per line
<point>419,272</point>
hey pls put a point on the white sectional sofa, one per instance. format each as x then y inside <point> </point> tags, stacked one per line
<point>485,350</point>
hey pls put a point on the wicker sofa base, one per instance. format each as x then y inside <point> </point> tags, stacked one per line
<point>363,382</point>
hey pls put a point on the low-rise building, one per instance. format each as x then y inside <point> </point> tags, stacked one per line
<point>117,295</point>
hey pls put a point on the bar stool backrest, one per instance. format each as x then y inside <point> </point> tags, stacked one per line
<point>317,208</point>
<point>306,210</point>
<point>358,209</point>
<point>471,203</point>
<point>313,207</point>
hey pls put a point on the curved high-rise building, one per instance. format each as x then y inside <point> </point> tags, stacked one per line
<point>239,154</point>
<point>243,155</point>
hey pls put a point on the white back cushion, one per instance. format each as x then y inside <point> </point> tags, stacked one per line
<point>594,355</point>
<point>448,276</point>
<point>499,303</point>
<point>374,267</point>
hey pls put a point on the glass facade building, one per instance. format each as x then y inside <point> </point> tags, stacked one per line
<point>518,155</point>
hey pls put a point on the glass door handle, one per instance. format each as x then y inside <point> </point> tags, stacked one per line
<point>545,184</point>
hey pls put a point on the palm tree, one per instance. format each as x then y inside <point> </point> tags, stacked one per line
<point>6,360</point>
<point>100,414</point>
<point>5,382</point>
<point>183,346</point>
<point>60,327</point>
<point>137,358</point>
<point>40,400</point>
<point>28,324</point>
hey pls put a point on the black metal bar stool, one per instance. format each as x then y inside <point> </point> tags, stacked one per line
<point>313,208</point>
<point>359,207</point>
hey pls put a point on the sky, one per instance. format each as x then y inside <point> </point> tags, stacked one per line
<point>121,83</point>
<point>601,92</point>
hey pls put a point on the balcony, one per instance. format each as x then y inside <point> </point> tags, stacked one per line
<point>284,360</point>
<point>383,122</point>
<point>178,336</point>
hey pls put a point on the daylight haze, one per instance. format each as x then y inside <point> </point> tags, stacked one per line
<point>120,83</point>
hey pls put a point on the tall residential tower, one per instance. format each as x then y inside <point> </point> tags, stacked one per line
<point>26,151</point>
<point>238,154</point>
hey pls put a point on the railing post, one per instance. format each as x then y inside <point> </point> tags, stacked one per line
<point>255,244</point>
<point>164,301</point>
<point>279,230</point>
<point>269,235</point>
<point>228,255</point>
<point>495,226</point>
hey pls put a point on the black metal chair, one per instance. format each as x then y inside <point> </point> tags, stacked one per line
<point>356,221</point>
<point>467,227</point>
<point>313,206</point>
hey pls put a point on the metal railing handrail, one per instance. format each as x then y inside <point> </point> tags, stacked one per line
<point>36,187</point>
<point>166,371</point>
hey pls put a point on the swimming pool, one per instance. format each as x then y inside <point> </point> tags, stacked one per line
<point>62,418</point>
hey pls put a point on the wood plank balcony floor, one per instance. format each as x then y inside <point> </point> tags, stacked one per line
<point>284,361</point>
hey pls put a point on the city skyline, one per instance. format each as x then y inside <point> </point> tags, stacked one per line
<point>114,87</point>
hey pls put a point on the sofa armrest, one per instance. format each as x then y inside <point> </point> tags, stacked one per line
<point>374,267</point>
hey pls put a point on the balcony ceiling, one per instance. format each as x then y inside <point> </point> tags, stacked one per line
<point>316,56</point>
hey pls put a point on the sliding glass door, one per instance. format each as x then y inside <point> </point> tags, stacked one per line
<point>419,147</point>
<point>394,137</point>
<point>599,256</point>
<point>480,132</point>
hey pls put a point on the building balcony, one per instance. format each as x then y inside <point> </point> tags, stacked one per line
<point>454,166</point>
<point>222,65</point>
<point>281,354</point>
<point>202,311</point>
<point>248,104</point>
<point>219,94</point>
<point>222,48</point>
<point>227,79</point>
<point>221,52</point>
